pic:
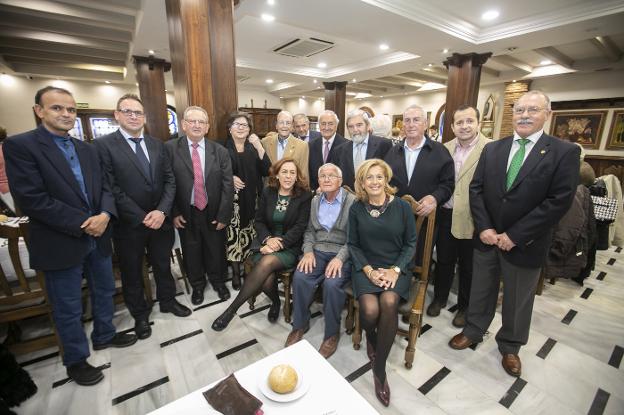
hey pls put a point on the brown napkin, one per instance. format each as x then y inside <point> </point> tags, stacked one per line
<point>230,398</point>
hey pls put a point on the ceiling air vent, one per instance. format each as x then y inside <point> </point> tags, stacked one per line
<point>303,48</point>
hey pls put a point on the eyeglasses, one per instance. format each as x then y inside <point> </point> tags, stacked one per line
<point>240,125</point>
<point>328,176</point>
<point>200,122</point>
<point>126,112</point>
<point>282,122</point>
<point>530,110</point>
<point>415,120</point>
<point>327,124</point>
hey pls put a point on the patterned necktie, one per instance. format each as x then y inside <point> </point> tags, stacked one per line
<point>200,200</point>
<point>143,161</point>
<point>516,162</point>
<point>359,158</point>
<point>325,151</point>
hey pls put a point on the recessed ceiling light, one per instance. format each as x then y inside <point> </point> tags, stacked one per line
<point>303,96</point>
<point>383,46</point>
<point>318,87</point>
<point>267,17</point>
<point>322,65</point>
<point>271,2</point>
<point>107,82</point>
<point>269,81</point>
<point>137,84</point>
<point>430,65</point>
<point>380,96</point>
<point>151,51</point>
<point>315,81</point>
<point>546,62</point>
<point>445,51</point>
<point>281,97</point>
<point>513,80</point>
<point>490,15</point>
<point>354,80</point>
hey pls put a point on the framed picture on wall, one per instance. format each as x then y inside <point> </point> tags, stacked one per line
<point>615,139</point>
<point>583,127</point>
<point>397,121</point>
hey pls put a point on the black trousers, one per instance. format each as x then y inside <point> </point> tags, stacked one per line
<point>204,249</point>
<point>130,246</point>
<point>451,251</point>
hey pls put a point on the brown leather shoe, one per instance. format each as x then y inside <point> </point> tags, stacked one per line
<point>460,319</point>
<point>512,365</point>
<point>382,391</point>
<point>461,342</point>
<point>370,351</point>
<point>329,346</point>
<point>293,337</point>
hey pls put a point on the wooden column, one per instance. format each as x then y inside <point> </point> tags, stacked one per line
<point>336,100</point>
<point>464,75</point>
<point>201,40</point>
<point>513,91</point>
<point>151,78</point>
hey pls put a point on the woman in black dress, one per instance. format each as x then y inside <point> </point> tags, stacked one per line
<point>382,242</point>
<point>280,222</point>
<point>250,163</point>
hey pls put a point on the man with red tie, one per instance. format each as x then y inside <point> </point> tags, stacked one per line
<point>203,202</point>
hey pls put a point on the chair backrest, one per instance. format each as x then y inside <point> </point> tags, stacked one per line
<point>425,227</point>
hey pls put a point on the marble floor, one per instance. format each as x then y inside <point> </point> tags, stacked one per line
<point>571,365</point>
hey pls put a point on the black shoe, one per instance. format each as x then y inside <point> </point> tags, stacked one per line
<point>198,296</point>
<point>236,282</point>
<point>84,374</point>
<point>435,307</point>
<point>222,321</point>
<point>142,329</point>
<point>223,292</point>
<point>119,340</point>
<point>175,308</point>
<point>274,311</point>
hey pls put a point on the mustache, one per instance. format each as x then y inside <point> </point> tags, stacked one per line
<point>525,122</point>
<point>359,138</point>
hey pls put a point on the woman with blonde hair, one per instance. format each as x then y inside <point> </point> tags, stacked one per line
<point>382,242</point>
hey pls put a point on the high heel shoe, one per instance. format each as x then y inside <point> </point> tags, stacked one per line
<point>382,392</point>
<point>370,351</point>
<point>222,321</point>
<point>274,311</point>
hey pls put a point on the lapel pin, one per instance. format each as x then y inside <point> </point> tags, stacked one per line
<point>543,152</point>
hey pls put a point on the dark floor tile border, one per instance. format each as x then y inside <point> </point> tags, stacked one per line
<point>453,308</point>
<point>513,392</point>
<point>611,261</point>
<point>219,301</point>
<point>616,357</point>
<point>138,391</point>
<point>236,349</point>
<point>600,402</point>
<point>618,249</point>
<point>586,293</point>
<point>433,381</point>
<point>358,372</point>
<point>177,339</point>
<point>567,319</point>
<point>316,314</point>
<point>67,380</point>
<point>601,276</point>
<point>255,310</point>
<point>546,348</point>
<point>131,329</point>
<point>40,359</point>
<point>425,328</point>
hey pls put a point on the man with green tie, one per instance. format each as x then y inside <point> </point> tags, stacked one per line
<point>521,188</point>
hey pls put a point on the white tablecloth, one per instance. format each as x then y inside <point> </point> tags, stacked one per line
<point>329,393</point>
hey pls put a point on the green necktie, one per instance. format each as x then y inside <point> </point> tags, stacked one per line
<point>516,162</point>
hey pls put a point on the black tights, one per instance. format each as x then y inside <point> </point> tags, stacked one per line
<point>379,318</point>
<point>261,277</point>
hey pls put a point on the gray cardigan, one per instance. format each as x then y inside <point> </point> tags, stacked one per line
<point>334,240</point>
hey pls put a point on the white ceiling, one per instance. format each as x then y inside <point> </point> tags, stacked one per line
<point>89,39</point>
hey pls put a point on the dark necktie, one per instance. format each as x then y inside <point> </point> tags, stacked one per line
<point>143,161</point>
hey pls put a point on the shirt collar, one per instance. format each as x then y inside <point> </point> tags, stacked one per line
<point>533,137</point>
<point>338,198</point>
<point>127,135</point>
<point>58,137</point>
<point>420,146</point>
<point>331,140</point>
<point>190,143</point>
<point>470,145</point>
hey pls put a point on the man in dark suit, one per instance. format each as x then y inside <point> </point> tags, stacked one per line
<point>203,203</point>
<point>421,167</point>
<point>301,126</point>
<point>325,148</point>
<point>57,181</point>
<point>139,172</point>
<point>521,188</point>
<point>361,147</point>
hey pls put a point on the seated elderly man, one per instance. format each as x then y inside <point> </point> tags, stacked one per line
<point>325,259</point>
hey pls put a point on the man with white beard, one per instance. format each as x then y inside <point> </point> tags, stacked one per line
<point>363,146</point>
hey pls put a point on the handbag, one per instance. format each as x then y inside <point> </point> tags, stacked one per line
<point>605,208</point>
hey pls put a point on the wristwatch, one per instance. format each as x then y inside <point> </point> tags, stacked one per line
<point>396,269</point>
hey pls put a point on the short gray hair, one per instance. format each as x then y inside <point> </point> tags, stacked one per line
<point>329,112</point>
<point>415,107</point>
<point>537,92</point>
<point>195,108</point>
<point>301,115</point>
<point>284,113</point>
<point>358,113</point>
<point>330,166</point>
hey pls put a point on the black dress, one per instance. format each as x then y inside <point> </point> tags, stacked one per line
<point>250,169</point>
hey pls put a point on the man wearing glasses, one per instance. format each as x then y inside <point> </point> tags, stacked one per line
<point>325,260</point>
<point>284,144</point>
<point>521,188</point>
<point>139,172</point>
<point>203,203</point>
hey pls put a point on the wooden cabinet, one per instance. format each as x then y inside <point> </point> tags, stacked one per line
<point>264,119</point>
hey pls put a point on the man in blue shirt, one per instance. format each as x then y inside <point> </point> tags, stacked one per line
<point>56,180</point>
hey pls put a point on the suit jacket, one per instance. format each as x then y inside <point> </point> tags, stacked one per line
<point>295,149</point>
<point>462,226</point>
<point>295,220</point>
<point>377,148</point>
<point>316,156</point>
<point>134,194</point>
<point>312,135</point>
<point>541,194</point>
<point>434,172</point>
<point>46,190</point>
<point>217,179</point>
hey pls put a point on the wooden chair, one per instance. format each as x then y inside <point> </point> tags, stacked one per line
<point>413,308</point>
<point>285,277</point>
<point>23,297</point>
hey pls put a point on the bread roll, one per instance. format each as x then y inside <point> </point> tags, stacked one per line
<point>3,218</point>
<point>283,379</point>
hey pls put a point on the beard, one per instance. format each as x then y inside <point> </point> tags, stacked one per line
<point>359,138</point>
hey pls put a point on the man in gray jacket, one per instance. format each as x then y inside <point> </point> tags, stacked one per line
<point>325,259</point>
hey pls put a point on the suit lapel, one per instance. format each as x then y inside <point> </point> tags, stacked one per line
<point>371,148</point>
<point>209,160</point>
<point>184,153</point>
<point>501,163</point>
<point>349,159</point>
<point>402,173</point>
<point>539,150</point>
<point>472,159</point>
<point>87,173</point>
<point>124,147</point>
<point>153,155</point>
<point>289,150</point>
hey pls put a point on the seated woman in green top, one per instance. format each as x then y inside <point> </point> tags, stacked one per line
<point>382,242</point>
<point>280,222</point>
